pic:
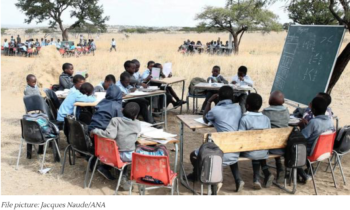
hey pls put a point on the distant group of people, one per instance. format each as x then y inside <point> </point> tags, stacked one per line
<point>213,47</point>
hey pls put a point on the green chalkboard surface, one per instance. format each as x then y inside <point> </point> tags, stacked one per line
<point>307,61</point>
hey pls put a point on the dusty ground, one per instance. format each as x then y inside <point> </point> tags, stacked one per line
<point>259,53</point>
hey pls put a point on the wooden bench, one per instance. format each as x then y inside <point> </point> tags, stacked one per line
<point>243,141</point>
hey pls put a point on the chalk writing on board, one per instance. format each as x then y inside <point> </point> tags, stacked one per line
<point>316,59</point>
<point>302,30</point>
<point>328,39</point>
<point>310,44</point>
<point>310,74</point>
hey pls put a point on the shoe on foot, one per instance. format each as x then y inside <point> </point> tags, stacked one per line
<point>191,177</point>
<point>105,173</point>
<point>269,180</point>
<point>280,176</point>
<point>307,179</point>
<point>257,185</point>
<point>240,186</point>
<point>125,184</point>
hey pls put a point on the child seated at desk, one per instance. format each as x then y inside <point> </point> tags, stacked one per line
<point>242,79</point>
<point>214,78</point>
<point>31,88</point>
<point>170,93</point>
<point>66,78</point>
<point>84,94</point>
<point>103,86</point>
<point>126,88</point>
<point>130,68</point>
<point>319,124</point>
<point>125,131</point>
<point>279,118</point>
<point>254,120</point>
<point>308,115</point>
<point>225,117</point>
<point>137,74</point>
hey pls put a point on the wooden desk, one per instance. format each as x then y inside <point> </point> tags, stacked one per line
<point>189,121</point>
<point>172,80</point>
<point>131,97</point>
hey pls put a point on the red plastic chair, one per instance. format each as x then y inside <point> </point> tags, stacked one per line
<point>62,51</point>
<point>323,150</point>
<point>157,167</point>
<point>106,151</point>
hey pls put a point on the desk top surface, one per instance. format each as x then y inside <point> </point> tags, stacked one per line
<point>189,121</point>
<point>170,80</point>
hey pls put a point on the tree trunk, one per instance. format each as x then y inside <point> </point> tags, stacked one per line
<point>236,45</point>
<point>340,65</point>
<point>65,35</point>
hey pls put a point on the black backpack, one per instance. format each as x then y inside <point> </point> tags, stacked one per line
<point>209,164</point>
<point>342,141</point>
<point>295,152</point>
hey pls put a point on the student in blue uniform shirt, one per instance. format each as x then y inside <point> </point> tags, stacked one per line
<point>126,88</point>
<point>242,79</point>
<point>225,117</point>
<point>84,94</point>
<point>137,74</point>
<point>254,120</point>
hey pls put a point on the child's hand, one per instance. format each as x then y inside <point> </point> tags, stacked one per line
<point>144,85</point>
<point>123,94</point>
<point>132,90</point>
<point>303,122</point>
<point>241,78</point>
<point>91,134</point>
<point>149,78</point>
<point>234,82</point>
<point>170,75</point>
<point>215,96</point>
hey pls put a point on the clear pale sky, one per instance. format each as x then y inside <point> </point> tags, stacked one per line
<point>137,12</point>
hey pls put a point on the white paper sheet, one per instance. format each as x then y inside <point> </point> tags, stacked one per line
<point>100,96</point>
<point>201,121</point>
<point>158,134</point>
<point>137,93</point>
<point>156,73</point>
<point>167,69</point>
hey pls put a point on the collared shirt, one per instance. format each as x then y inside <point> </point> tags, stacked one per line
<point>315,128</point>
<point>218,79</point>
<point>308,115</point>
<point>73,89</point>
<point>247,80</point>
<point>278,115</point>
<point>67,107</point>
<point>99,88</point>
<point>137,76</point>
<point>254,121</point>
<point>125,90</point>
<point>225,116</point>
<point>145,74</point>
<point>6,45</point>
<point>31,90</point>
<point>133,80</point>
<point>113,43</point>
<point>43,43</point>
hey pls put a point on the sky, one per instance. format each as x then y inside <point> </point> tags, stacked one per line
<point>158,13</point>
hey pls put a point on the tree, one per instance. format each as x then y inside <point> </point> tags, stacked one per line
<point>311,12</point>
<point>85,12</point>
<point>3,31</point>
<point>237,17</point>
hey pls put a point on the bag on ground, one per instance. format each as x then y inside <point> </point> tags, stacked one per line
<point>209,164</point>
<point>295,152</point>
<point>342,141</point>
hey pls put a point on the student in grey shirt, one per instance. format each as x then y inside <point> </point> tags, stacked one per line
<point>103,86</point>
<point>66,78</point>
<point>254,120</point>
<point>279,118</point>
<point>31,88</point>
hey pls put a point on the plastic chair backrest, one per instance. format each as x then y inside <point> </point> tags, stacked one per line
<point>52,95</point>
<point>107,151</point>
<point>146,165</point>
<point>324,147</point>
<point>31,132</point>
<point>77,136</point>
<point>35,103</point>
<point>52,109</point>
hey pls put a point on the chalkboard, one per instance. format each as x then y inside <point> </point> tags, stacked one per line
<point>307,61</point>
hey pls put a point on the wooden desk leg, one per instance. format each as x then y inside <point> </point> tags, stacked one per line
<point>165,113</point>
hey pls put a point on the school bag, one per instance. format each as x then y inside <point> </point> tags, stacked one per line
<point>295,152</point>
<point>342,141</point>
<point>48,129</point>
<point>193,83</point>
<point>158,150</point>
<point>209,164</point>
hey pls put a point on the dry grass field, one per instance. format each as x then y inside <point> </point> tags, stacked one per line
<point>260,53</point>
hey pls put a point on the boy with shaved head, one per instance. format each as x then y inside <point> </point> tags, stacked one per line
<point>279,118</point>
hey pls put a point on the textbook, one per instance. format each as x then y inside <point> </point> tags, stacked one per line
<point>167,69</point>
<point>156,73</point>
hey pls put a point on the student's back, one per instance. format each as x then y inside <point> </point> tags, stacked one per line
<point>107,109</point>
<point>254,121</point>
<point>278,115</point>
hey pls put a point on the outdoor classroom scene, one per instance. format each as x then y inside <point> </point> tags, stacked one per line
<point>260,108</point>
